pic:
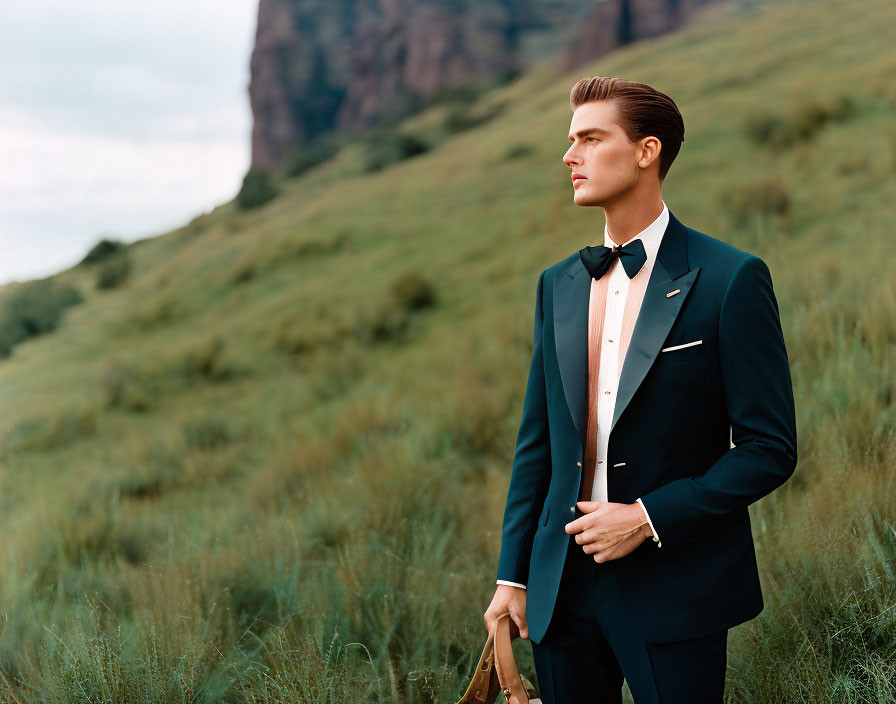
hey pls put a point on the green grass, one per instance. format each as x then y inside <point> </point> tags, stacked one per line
<point>218,482</point>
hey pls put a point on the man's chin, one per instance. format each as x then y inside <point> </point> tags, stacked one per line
<point>587,199</point>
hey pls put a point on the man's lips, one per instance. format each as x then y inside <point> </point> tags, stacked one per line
<point>576,177</point>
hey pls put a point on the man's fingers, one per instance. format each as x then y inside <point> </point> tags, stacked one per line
<point>589,506</point>
<point>579,524</point>
<point>606,554</point>
<point>520,622</point>
<point>586,536</point>
<point>583,521</point>
<point>574,526</point>
<point>490,619</point>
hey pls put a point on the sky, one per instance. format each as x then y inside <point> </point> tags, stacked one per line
<point>118,120</point>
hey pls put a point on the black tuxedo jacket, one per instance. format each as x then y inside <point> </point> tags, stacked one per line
<point>677,413</point>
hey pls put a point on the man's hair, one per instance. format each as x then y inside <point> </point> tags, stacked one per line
<point>643,112</point>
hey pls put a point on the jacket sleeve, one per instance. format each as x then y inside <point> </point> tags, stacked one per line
<point>531,474</point>
<point>759,399</point>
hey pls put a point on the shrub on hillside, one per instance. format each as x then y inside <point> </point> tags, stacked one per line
<point>386,147</point>
<point>44,433</point>
<point>517,151</point>
<point>256,190</point>
<point>124,388</point>
<point>811,116</point>
<point>305,156</point>
<point>290,335</point>
<point>164,310</point>
<point>206,361</point>
<point>114,271</point>
<point>771,196</point>
<point>389,322</point>
<point>800,124</point>
<point>458,118</point>
<point>463,115</point>
<point>33,308</point>
<point>408,293</point>
<point>245,270</point>
<point>386,321</point>
<point>412,291</point>
<point>102,250</point>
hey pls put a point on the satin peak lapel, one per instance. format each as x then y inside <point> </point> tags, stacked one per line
<point>572,291</point>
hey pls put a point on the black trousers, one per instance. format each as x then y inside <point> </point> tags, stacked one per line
<point>589,648</point>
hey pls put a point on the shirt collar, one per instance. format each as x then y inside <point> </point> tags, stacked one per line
<point>650,236</point>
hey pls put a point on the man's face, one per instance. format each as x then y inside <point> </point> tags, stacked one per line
<point>605,157</point>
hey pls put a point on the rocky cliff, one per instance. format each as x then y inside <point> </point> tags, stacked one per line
<point>320,65</point>
<point>612,23</point>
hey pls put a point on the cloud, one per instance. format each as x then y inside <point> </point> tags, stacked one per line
<point>119,117</point>
<point>63,190</point>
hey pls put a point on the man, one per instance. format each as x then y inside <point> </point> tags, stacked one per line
<point>658,407</point>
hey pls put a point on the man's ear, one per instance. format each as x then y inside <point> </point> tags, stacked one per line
<point>650,149</point>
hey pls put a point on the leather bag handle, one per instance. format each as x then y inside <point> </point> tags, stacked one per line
<point>512,685</point>
<point>483,687</point>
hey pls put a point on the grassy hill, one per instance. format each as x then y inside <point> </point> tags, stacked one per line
<point>271,465</point>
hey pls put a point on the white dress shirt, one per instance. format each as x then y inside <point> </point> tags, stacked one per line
<point>608,370</point>
<point>608,376</point>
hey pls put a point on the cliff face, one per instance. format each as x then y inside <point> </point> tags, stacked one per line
<point>404,51</point>
<point>345,64</point>
<point>613,23</point>
<point>320,65</point>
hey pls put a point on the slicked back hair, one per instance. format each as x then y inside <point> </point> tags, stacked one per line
<point>643,112</point>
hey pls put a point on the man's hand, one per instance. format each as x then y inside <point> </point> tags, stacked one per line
<point>609,530</point>
<point>511,600</point>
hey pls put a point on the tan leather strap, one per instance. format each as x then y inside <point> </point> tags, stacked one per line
<point>505,664</point>
<point>483,687</point>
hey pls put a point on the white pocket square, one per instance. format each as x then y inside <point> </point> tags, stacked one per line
<point>678,347</point>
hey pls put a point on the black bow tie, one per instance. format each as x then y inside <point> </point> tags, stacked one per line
<point>598,259</point>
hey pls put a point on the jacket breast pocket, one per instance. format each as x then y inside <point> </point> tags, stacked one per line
<point>682,351</point>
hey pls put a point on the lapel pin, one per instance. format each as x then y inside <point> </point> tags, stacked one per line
<point>672,293</point>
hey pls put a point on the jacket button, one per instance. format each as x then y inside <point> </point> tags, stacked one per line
<point>572,509</point>
<point>579,463</point>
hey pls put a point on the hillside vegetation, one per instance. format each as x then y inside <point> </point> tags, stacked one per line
<point>268,461</point>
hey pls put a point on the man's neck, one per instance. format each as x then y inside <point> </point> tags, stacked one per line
<point>625,222</point>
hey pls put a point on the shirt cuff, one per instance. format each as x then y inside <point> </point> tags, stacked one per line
<point>656,538</point>
<point>512,584</point>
